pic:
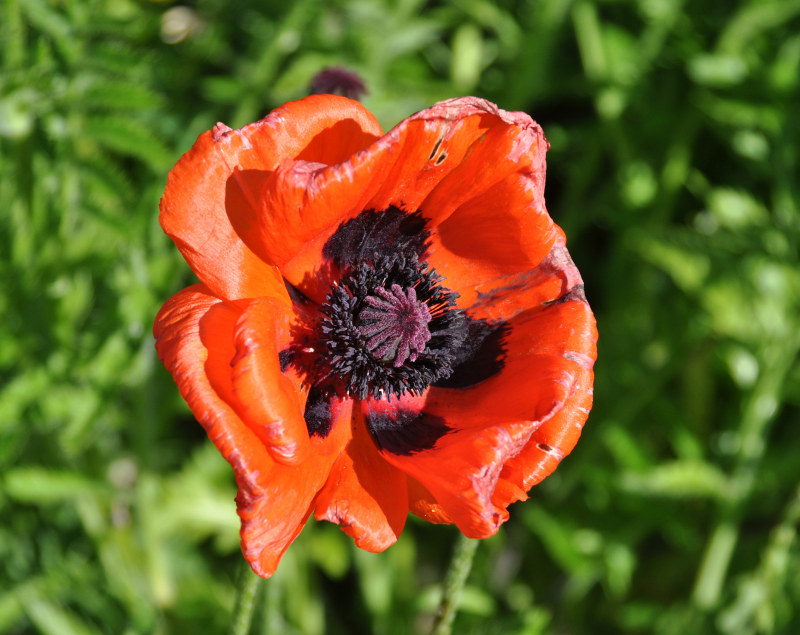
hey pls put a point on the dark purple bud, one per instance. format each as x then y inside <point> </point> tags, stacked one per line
<point>336,80</point>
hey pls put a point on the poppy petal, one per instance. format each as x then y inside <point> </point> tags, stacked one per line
<point>538,345</point>
<point>548,445</point>
<point>194,338</point>
<point>210,203</point>
<point>324,129</point>
<point>498,235</point>
<point>399,426</point>
<point>462,470</point>
<point>422,503</point>
<point>364,494</point>
<point>435,161</point>
<point>302,203</point>
<point>554,280</point>
<point>556,438</point>
<point>492,223</point>
<point>543,387</point>
<point>565,334</point>
<point>432,144</point>
<point>274,515</point>
<point>189,358</point>
<point>267,399</point>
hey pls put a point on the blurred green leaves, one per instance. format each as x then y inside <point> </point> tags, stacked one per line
<point>672,170</point>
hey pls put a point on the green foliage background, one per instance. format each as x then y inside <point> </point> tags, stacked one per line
<point>673,170</point>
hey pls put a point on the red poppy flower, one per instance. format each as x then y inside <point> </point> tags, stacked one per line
<point>384,323</point>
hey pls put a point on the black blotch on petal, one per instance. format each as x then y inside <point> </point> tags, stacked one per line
<point>405,432</point>
<point>436,147</point>
<point>480,357</point>
<point>285,358</point>
<point>297,297</point>
<point>372,233</point>
<point>318,414</point>
<point>575,294</point>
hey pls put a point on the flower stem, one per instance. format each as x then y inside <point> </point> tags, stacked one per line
<point>245,602</point>
<point>760,409</point>
<point>454,581</point>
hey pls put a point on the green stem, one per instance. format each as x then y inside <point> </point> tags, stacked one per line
<point>246,602</point>
<point>711,575</point>
<point>454,581</point>
<point>759,411</point>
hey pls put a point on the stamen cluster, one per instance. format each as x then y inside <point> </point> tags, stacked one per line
<point>389,328</point>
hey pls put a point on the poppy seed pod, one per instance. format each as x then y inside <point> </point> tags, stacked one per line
<point>383,324</point>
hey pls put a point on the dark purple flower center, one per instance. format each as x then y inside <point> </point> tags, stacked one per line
<point>395,324</point>
<point>388,328</point>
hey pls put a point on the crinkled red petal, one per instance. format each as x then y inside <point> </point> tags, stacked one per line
<point>211,201</point>
<point>311,199</point>
<point>422,503</point>
<point>365,495</point>
<point>280,509</point>
<point>267,399</point>
<point>463,158</point>
<point>461,472</point>
<point>511,430</point>
<point>195,341</point>
<point>573,338</point>
<point>548,445</point>
<point>468,139</point>
<point>489,425</point>
<point>554,279</point>
<point>185,355</point>
<point>493,239</point>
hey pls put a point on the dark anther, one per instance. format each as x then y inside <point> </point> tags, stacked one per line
<point>389,327</point>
